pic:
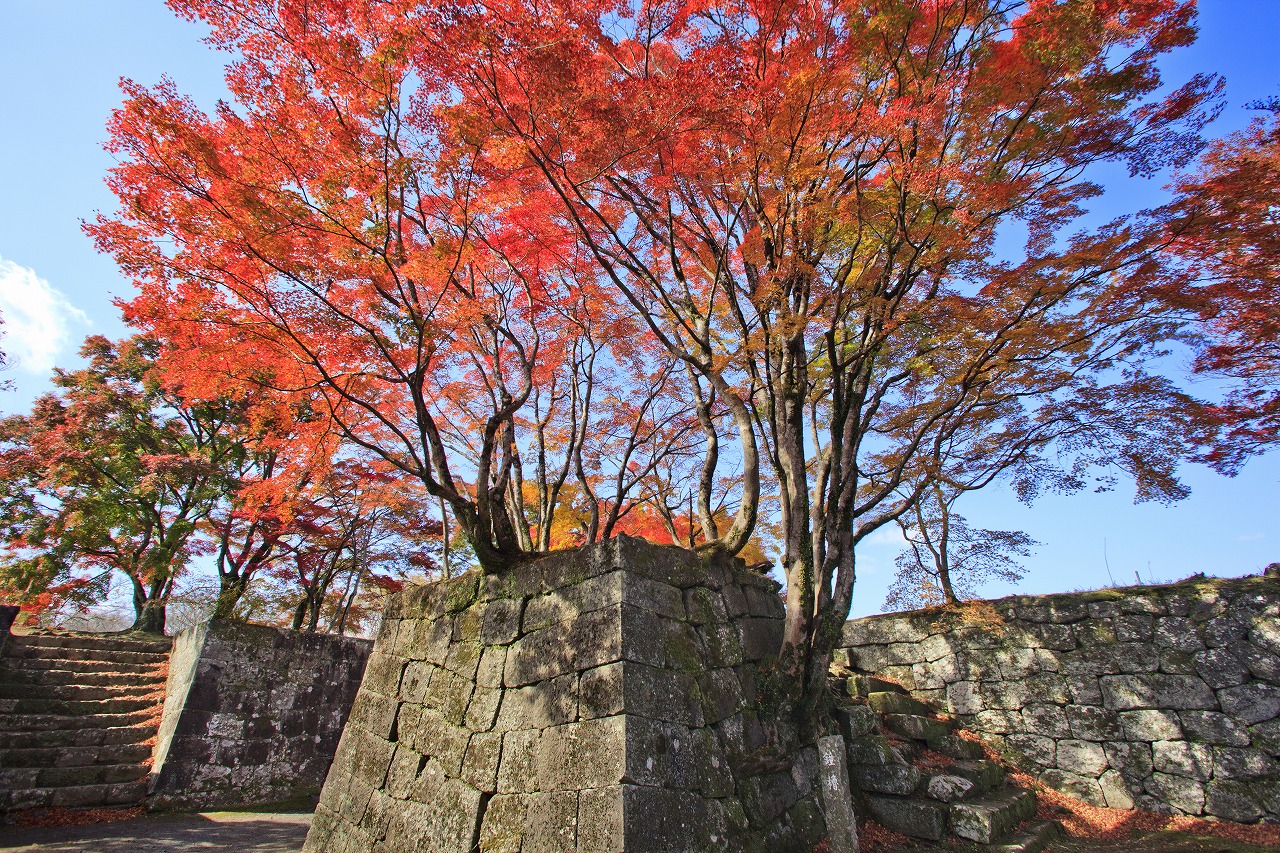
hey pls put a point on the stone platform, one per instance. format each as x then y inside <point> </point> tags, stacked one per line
<point>598,701</point>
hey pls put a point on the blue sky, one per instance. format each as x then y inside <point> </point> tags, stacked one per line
<point>60,61</point>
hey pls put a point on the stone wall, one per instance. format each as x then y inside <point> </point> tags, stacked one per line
<point>252,714</point>
<point>8,613</point>
<point>1164,698</point>
<point>588,701</point>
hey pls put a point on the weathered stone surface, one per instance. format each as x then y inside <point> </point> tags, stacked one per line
<point>1084,684</point>
<point>1115,791</point>
<point>253,714</point>
<point>1033,750</point>
<point>915,727</point>
<point>1179,758</point>
<point>1081,757</point>
<point>1086,788</point>
<point>837,799</point>
<point>1232,800</point>
<point>897,703</point>
<point>1127,692</point>
<point>1251,703</point>
<point>1150,726</point>
<point>593,701</point>
<point>1246,765</point>
<point>900,779</point>
<point>992,817</point>
<point>1182,793</point>
<point>1213,728</point>
<point>917,818</point>
<point>947,788</point>
<point>1047,720</point>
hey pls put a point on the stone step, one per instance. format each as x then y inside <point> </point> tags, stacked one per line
<point>899,779</point>
<point>864,685</point>
<point>78,707</point>
<point>76,737</point>
<point>954,746</point>
<point>992,817</point>
<point>917,727</point>
<point>982,774</point>
<point>80,796</point>
<point>75,756</point>
<point>917,818</point>
<point>29,778</point>
<point>88,667</point>
<point>963,780</point>
<point>149,677</point>
<point>46,722</point>
<point>897,703</point>
<point>1034,839</point>
<point>23,651</point>
<point>874,749</point>
<point>123,689</point>
<point>106,642</point>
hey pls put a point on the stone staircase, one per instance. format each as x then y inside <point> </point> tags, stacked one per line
<point>919,777</point>
<point>78,717</point>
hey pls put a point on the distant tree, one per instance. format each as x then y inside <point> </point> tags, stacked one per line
<point>110,472</point>
<point>947,560</point>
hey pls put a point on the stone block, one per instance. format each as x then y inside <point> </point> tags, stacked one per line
<point>551,822</point>
<point>601,822</point>
<point>915,727</point>
<point>1000,722</point>
<point>1250,703</point>
<point>501,622</point>
<point>1047,720</point>
<point>1033,750</point>
<point>1213,728</point>
<point>946,788</point>
<point>872,749</point>
<point>1179,758</point>
<point>503,825</point>
<point>1134,627</point>
<point>1127,692</point>
<point>1089,722</point>
<point>1182,693</point>
<point>1133,760</point>
<point>1082,757</point>
<point>993,817</point>
<point>1178,632</point>
<point>1115,790</point>
<point>855,721</point>
<point>1150,725</point>
<point>1244,765</point>
<point>898,779</point>
<point>965,697</point>
<point>1221,668</point>
<point>586,754</point>
<point>897,703</point>
<point>916,818</point>
<point>837,799</point>
<point>1184,794</point>
<point>543,705</point>
<point>1232,800</point>
<point>1082,787</point>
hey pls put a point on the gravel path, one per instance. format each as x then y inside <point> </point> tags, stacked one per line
<point>217,832</point>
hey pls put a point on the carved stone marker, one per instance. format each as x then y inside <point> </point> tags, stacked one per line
<point>598,701</point>
<point>837,799</point>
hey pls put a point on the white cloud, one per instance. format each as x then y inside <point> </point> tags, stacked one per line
<point>37,319</point>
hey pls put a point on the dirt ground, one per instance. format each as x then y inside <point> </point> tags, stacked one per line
<point>211,832</point>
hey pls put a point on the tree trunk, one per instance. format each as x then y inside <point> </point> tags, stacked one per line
<point>231,589</point>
